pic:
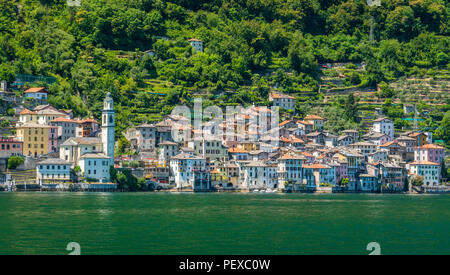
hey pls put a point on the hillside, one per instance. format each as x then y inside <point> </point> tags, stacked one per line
<point>250,48</point>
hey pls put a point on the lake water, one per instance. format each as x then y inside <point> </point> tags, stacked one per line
<point>223,223</point>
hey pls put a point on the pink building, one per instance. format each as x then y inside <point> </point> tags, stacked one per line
<point>430,152</point>
<point>10,147</point>
<point>341,171</point>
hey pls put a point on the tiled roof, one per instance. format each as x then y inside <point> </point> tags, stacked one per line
<point>53,161</point>
<point>292,155</point>
<point>430,146</point>
<point>36,90</point>
<point>315,166</point>
<point>313,117</point>
<point>26,112</point>
<point>424,163</point>
<point>276,95</point>
<point>237,150</point>
<point>285,122</point>
<point>94,156</point>
<point>63,119</point>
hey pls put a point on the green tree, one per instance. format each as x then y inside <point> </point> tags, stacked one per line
<point>14,162</point>
<point>351,108</point>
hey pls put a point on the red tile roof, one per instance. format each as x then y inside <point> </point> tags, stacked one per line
<point>36,90</point>
<point>424,163</point>
<point>430,146</point>
<point>313,117</point>
<point>315,166</point>
<point>237,150</point>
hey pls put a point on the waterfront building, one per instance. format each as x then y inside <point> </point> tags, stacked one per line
<point>95,166</point>
<point>190,171</point>
<point>38,139</point>
<point>53,171</point>
<point>317,174</point>
<point>258,175</point>
<point>369,182</point>
<point>430,171</point>
<point>290,169</point>
<point>10,146</point>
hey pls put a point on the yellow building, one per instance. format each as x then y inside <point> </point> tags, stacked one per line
<point>248,146</point>
<point>38,139</point>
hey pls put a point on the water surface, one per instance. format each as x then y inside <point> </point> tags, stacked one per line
<point>222,223</point>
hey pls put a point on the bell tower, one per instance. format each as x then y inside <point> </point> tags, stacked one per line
<point>108,123</point>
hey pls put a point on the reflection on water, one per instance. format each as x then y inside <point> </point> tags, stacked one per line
<point>164,223</point>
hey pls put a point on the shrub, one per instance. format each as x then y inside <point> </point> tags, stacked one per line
<point>14,162</point>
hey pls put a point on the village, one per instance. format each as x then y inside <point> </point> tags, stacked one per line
<point>67,153</point>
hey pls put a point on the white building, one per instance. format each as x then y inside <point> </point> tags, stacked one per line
<point>66,128</point>
<point>73,148</point>
<point>196,44</point>
<point>430,171</point>
<point>167,150</point>
<point>345,140</point>
<point>190,171</point>
<point>93,155</point>
<point>142,137</point>
<point>95,166</point>
<point>366,148</point>
<point>258,175</point>
<point>316,174</point>
<point>283,101</point>
<point>316,120</point>
<point>210,149</point>
<point>290,169</point>
<point>52,171</point>
<point>39,93</point>
<point>384,126</point>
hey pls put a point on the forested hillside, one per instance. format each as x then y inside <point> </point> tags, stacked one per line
<point>250,47</point>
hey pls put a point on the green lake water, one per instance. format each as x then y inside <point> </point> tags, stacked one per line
<point>223,223</point>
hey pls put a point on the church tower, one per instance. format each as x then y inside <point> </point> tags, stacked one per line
<point>108,123</point>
